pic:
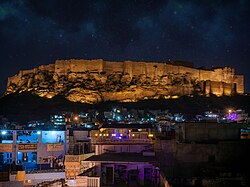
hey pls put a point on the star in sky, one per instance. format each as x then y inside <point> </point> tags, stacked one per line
<point>207,33</point>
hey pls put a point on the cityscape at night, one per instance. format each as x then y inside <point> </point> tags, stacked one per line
<point>104,93</point>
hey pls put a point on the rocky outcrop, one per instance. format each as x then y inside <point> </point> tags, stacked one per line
<point>79,81</point>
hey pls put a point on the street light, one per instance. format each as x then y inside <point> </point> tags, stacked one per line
<point>4,132</point>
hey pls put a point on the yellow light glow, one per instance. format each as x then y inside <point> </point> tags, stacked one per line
<point>133,135</point>
<point>100,134</point>
<point>150,135</point>
<point>175,97</point>
<point>102,129</point>
<point>96,134</point>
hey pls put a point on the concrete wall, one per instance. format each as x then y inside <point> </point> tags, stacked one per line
<point>130,166</point>
<point>41,177</point>
<point>43,153</point>
<point>80,135</point>
<point>204,132</point>
<point>174,157</point>
<point>222,152</point>
<point>100,149</point>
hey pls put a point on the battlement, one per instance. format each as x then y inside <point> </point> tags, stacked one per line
<point>150,69</point>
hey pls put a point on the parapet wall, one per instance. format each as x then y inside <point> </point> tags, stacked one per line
<point>150,69</point>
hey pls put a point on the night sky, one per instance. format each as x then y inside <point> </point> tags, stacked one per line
<point>208,33</point>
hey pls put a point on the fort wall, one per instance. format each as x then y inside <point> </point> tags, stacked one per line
<point>193,72</point>
<point>112,67</point>
<point>238,80</point>
<point>25,72</point>
<point>217,81</point>
<point>62,67</point>
<point>49,68</point>
<point>140,69</point>
<point>14,79</point>
<point>78,66</point>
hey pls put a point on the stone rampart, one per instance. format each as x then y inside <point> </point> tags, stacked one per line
<point>14,79</point>
<point>238,80</point>
<point>153,78</point>
<point>49,68</point>
<point>113,67</point>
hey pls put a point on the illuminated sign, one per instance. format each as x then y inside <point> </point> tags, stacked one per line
<point>55,147</point>
<point>5,148</point>
<point>53,136</point>
<point>27,146</point>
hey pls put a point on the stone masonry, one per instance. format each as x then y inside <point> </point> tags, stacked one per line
<point>92,81</point>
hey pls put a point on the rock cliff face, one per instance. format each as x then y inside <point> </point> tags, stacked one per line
<point>92,81</point>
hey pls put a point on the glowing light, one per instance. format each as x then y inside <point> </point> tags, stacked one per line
<point>230,110</point>
<point>38,132</point>
<point>133,135</point>
<point>96,134</point>
<point>76,118</point>
<point>4,132</point>
<point>49,96</point>
<point>100,134</point>
<point>175,97</point>
<point>150,135</point>
<point>121,134</point>
<point>232,116</point>
<point>102,129</point>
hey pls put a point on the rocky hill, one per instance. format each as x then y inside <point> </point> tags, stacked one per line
<point>94,81</point>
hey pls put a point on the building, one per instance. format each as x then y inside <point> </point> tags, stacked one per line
<point>205,154</point>
<point>32,149</point>
<point>124,155</point>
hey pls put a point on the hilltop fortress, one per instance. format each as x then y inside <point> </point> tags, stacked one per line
<point>92,81</point>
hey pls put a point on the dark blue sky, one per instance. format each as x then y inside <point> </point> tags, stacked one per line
<point>207,33</point>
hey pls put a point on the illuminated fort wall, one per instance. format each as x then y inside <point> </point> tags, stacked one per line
<point>218,81</point>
